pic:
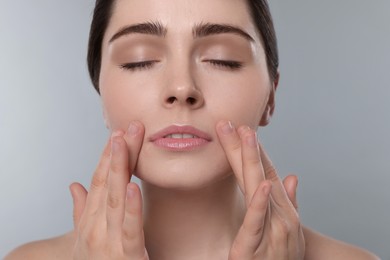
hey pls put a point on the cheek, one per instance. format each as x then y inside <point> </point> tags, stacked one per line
<point>240,99</point>
<point>124,100</point>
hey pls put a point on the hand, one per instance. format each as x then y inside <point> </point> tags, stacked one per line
<point>108,219</point>
<point>271,228</point>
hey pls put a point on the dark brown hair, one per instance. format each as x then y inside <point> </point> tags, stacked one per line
<point>261,16</point>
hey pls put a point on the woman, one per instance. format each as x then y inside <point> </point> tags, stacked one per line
<point>184,85</point>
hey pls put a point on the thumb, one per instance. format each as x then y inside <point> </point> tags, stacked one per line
<point>290,184</point>
<point>79,196</point>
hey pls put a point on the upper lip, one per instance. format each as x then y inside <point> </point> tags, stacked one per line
<point>180,129</point>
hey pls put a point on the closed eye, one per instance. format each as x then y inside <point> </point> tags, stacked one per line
<point>140,65</point>
<point>229,64</point>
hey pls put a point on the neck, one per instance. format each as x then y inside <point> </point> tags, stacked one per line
<point>199,223</point>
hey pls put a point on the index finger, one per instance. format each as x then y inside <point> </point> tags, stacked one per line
<point>231,144</point>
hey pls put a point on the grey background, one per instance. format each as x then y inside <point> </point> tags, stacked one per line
<point>331,125</point>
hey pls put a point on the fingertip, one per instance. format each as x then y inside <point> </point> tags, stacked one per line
<point>134,129</point>
<point>116,133</point>
<point>225,127</point>
<point>243,129</point>
<point>77,190</point>
<point>71,186</point>
<point>266,187</point>
<point>73,189</point>
<point>115,143</point>
<point>290,183</point>
<point>134,135</point>
<point>107,148</point>
<point>133,199</point>
<point>132,190</point>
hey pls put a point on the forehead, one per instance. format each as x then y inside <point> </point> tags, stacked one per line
<point>180,16</point>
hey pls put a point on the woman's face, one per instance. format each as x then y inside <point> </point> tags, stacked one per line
<point>182,66</point>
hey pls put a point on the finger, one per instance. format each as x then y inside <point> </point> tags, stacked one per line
<point>252,167</point>
<point>97,192</point>
<point>133,235</point>
<point>134,138</point>
<point>79,196</point>
<point>231,143</point>
<point>123,160</point>
<point>296,239</point>
<point>250,234</point>
<point>278,193</point>
<point>118,178</point>
<point>290,184</point>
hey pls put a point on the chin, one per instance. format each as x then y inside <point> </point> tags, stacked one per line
<point>182,172</point>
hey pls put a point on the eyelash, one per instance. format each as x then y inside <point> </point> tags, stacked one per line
<point>132,66</point>
<point>228,64</point>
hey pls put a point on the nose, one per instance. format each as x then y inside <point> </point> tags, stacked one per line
<point>181,90</point>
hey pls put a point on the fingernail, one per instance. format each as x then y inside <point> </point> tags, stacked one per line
<point>243,129</point>
<point>133,129</point>
<point>227,128</point>
<point>251,140</point>
<point>114,144</point>
<point>116,133</point>
<point>130,192</point>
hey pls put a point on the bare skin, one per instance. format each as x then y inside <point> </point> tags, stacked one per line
<point>64,247</point>
<point>223,200</point>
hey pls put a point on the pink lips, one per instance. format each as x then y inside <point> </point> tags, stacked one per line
<point>180,138</point>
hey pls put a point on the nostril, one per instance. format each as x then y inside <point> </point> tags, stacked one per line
<point>171,100</point>
<point>191,100</point>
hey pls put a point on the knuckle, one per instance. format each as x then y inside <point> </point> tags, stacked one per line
<point>271,173</point>
<point>118,166</point>
<point>282,227</point>
<point>236,146</point>
<point>257,206</point>
<point>98,182</point>
<point>115,166</point>
<point>254,160</point>
<point>128,235</point>
<point>257,231</point>
<point>90,238</point>
<point>295,224</point>
<point>280,234</point>
<point>295,221</point>
<point>253,231</point>
<point>113,201</point>
<point>260,207</point>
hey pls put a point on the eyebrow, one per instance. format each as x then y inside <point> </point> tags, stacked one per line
<point>207,29</point>
<point>150,28</point>
<point>199,30</point>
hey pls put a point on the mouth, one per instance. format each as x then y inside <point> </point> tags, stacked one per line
<point>180,138</point>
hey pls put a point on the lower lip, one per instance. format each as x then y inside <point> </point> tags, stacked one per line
<point>183,144</point>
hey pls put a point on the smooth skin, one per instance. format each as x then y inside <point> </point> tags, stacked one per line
<point>223,201</point>
<point>110,227</point>
<point>108,220</point>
